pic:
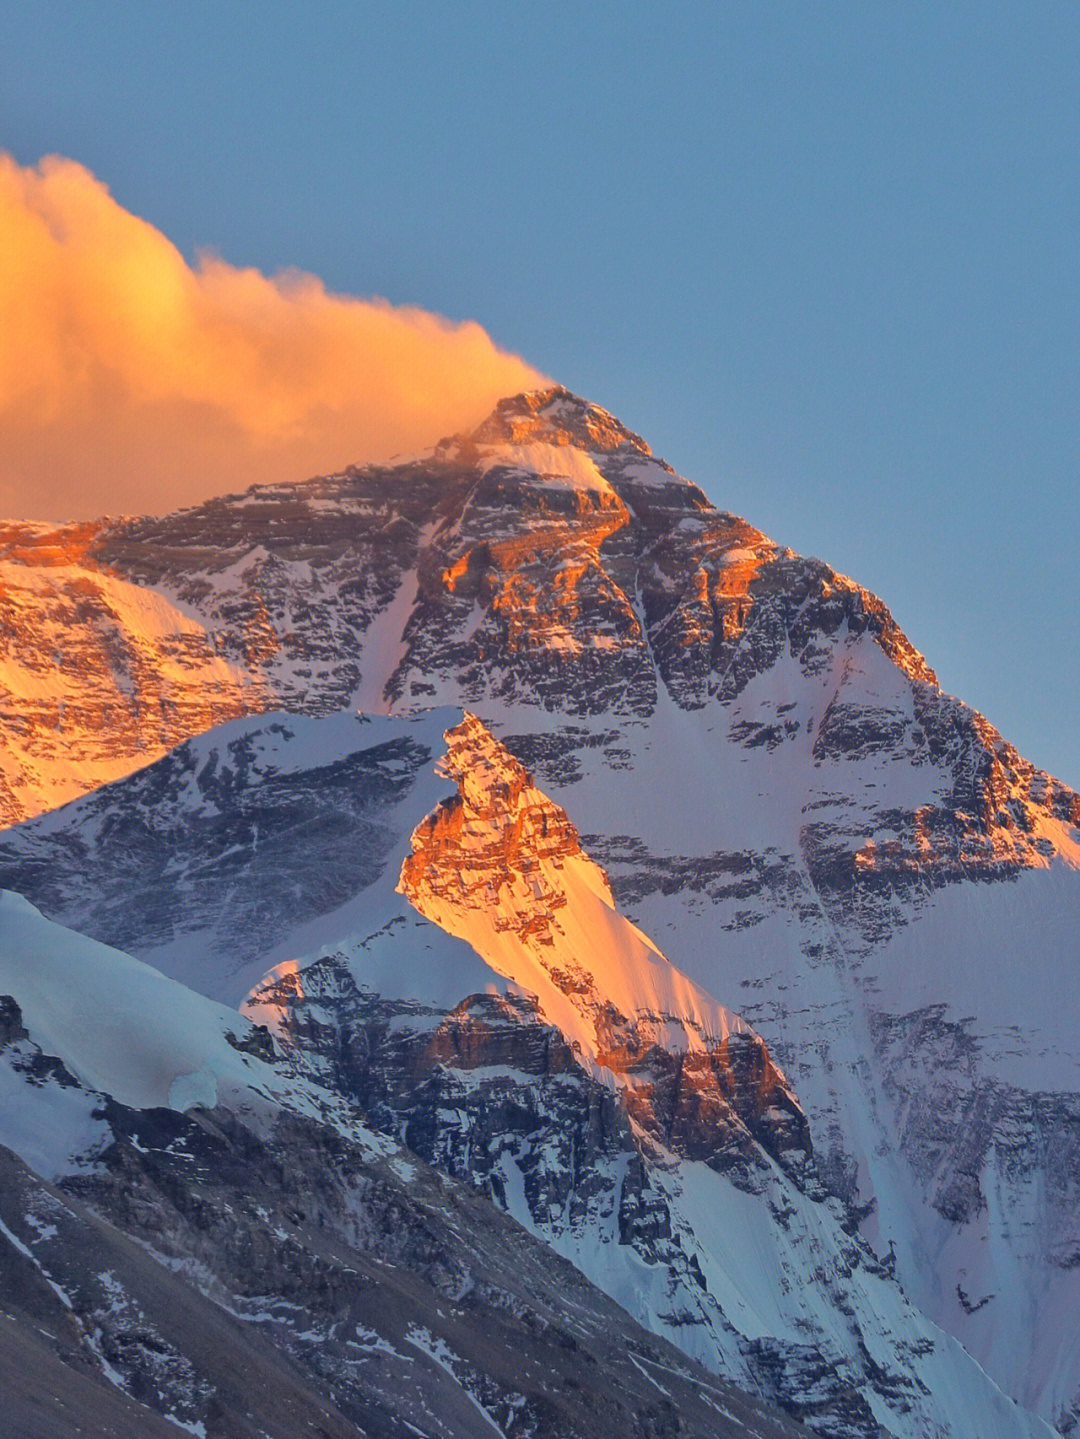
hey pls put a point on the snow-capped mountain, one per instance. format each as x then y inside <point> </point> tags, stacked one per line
<point>463,978</point>
<point>193,1238</point>
<point>782,796</point>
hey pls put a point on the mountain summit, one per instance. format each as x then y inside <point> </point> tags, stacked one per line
<point>556,417</point>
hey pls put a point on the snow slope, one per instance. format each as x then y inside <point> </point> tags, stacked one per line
<point>126,1030</point>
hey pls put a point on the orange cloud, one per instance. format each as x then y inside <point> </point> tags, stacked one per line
<point>131,382</point>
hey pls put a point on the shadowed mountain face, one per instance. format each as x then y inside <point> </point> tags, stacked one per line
<point>781,795</point>
<point>261,1263</point>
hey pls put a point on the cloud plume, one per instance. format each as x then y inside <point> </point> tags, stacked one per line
<point>131,382</point>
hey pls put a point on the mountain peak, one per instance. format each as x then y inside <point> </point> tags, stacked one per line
<point>555,416</point>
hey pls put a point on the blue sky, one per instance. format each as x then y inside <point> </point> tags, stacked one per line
<point>823,256</point>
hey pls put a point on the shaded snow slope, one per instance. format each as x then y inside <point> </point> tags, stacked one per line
<point>207,861</point>
<point>125,1030</point>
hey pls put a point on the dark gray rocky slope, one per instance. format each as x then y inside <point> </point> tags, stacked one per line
<point>243,1284</point>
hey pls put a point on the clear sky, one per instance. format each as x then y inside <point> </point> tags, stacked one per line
<point>823,256</point>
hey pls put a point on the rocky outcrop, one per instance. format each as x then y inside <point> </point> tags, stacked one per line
<point>497,861</point>
<point>493,1097</point>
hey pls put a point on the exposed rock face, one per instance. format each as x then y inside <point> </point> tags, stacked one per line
<point>767,769</point>
<point>491,1096</point>
<point>497,862</point>
<point>11,1027</point>
<point>547,560</point>
<point>97,676</point>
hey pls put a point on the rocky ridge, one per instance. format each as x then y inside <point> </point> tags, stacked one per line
<point>496,865</point>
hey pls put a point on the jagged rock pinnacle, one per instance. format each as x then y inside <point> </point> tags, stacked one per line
<point>555,416</point>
